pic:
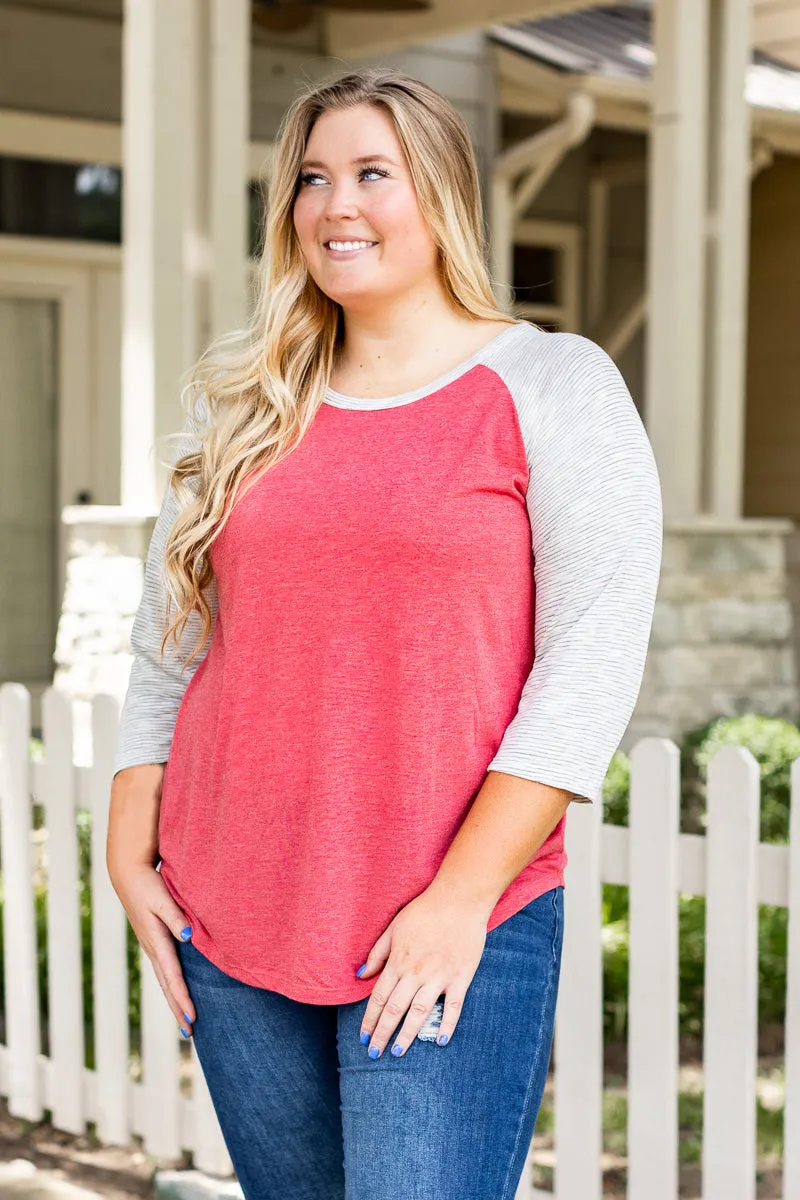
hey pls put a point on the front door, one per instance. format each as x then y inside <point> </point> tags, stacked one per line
<point>29,512</point>
<point>59,431</point>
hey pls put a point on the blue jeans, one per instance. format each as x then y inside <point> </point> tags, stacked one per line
<point>307,1115</point>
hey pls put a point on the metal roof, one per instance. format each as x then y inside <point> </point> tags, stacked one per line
<point>615,40</point>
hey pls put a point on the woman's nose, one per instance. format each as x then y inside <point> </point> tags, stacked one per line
<point>341,199</point>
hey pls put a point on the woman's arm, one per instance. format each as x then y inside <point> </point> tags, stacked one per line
<point>155,690</point>
<point>594,502</point>
<point>157,684</point>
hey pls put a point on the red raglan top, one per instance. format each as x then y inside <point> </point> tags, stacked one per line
<point>429,586</point>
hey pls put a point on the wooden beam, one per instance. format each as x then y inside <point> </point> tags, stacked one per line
<point>771,26</point>
<point>359,34</point>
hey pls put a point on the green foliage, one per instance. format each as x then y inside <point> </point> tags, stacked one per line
<point>616,790</point>
<point>775,744</point>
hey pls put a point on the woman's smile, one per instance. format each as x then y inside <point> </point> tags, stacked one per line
<point>337,249</point>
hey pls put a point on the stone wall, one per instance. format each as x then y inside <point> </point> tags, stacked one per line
<point>106,547</point>
<point>725,631</point>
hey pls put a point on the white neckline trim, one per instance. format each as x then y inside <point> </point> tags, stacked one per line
<point>340,400</point>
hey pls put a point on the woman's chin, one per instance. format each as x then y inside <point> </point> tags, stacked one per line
<point>355,295</point>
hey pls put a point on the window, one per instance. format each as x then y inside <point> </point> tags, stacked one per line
<point>546,273</point>
<point>78,201</point>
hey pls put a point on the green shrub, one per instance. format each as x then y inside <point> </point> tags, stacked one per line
<point>774,743</point>
<point>616,790</point>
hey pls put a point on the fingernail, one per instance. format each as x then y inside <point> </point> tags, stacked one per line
<point>188,1018</point>
<point>374,1052</point>
<point>364,1038</point>
<point>397,1049</point>
<point>183,1031</point>
<point>186,933</point>
<point>443,1039</point>
<point>363,967</point>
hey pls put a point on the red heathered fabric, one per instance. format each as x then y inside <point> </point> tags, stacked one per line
<point>374,632</point>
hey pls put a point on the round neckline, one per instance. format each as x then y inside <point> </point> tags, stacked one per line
<point>342,400</point>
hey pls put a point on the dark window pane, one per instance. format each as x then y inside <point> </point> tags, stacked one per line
<point>256,202</point>
<point>535,274</point>
<point>80,201</point>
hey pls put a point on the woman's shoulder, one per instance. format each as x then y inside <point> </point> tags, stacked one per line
<point>561,381</point>
<point>537,360</point>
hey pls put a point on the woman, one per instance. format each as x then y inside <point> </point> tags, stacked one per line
<point>425,541</point>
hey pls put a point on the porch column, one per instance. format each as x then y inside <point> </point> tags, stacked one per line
<point>186,138</point>
<point>676,252</point>
<point>157,183</point>
<point>729,254</point>
<point>229,146</point>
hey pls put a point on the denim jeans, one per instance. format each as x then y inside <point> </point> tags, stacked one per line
<point>307,1115</point>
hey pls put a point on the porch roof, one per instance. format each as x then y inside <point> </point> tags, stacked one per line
<point>615,41</point>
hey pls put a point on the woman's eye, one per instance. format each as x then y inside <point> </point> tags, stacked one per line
<point>308,176</point>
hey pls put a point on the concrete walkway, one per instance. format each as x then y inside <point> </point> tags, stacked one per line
<point>21,1179</point>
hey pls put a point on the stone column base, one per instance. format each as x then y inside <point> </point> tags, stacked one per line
<point>725,631</point>
<point>106,549</point>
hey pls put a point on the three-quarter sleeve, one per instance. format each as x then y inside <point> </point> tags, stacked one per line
<point>594,502</point>
<point>157,684</point>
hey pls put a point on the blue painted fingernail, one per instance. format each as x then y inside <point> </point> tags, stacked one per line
<point>183,1031</point>
<point>443,1039</point>
<point>188,1018</point>
<point>364,1038</point>
<point>397,1049</point>
<point>374,1052</point>
<point>186,933</point>
<point>361,969</point>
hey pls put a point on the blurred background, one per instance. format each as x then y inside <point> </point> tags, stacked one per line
<point>641,172</point>
<point>640,167</point>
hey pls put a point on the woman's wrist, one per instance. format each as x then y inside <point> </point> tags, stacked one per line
<point>133,818</point>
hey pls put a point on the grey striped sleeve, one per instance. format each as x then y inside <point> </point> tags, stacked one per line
<point>157,685</point>
<point>594,502</point>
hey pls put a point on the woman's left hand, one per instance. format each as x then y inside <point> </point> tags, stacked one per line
<point>432,945</point>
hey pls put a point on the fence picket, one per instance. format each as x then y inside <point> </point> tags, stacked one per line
<point>64,961</point>
<point>653,971</point>
<point>731,976</point>
<point>109,945</point>
<point>160,1060</point>
<point>791,1112</point>
<point>578,1051</point>
<point>19,914</point>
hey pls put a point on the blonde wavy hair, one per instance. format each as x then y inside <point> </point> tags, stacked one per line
<point>254,392</point>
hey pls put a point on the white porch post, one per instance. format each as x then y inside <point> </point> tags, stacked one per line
<point>156,189</point>
<point>676,252</point>
<point>729,254</point>
<point>229,161</point>
<point>186,138</point>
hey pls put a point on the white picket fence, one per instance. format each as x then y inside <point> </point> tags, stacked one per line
<point>728,866</point>
<point>154,1108</point>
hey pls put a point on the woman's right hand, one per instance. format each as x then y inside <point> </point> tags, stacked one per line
<point>156,920</point>
<point>131,855</point>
